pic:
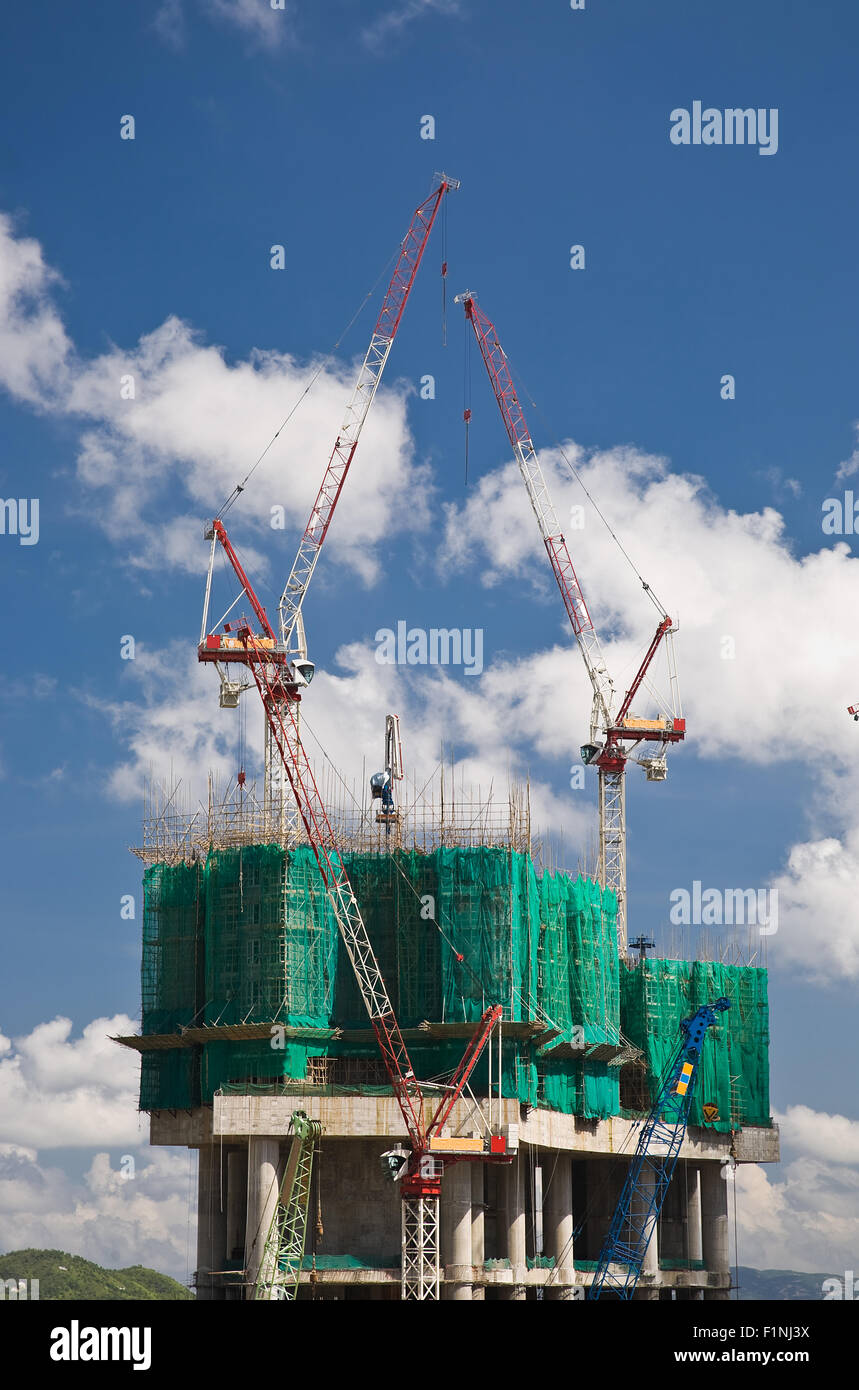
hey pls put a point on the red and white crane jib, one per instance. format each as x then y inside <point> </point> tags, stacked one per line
<point>408,261</point>
<point>495,361</point>
<point>290,645</point>
<point>622,726</point>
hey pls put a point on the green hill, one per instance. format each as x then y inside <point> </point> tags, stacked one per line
<point>67,1278</point>
<point>780,1284</point>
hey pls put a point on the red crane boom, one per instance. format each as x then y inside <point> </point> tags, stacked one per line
<point>607,732</point>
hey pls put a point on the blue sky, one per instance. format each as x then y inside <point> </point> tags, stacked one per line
<point>301,127</point>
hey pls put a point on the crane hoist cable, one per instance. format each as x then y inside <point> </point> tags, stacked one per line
<point>324,362</point>
<point>444,274</point>
<point>466,393</point>
<point>522,384</point>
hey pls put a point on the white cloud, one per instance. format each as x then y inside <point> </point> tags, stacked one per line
<point>106,1217</point>
<point>62,1092</point>
<point>723,574</point>
<point>393,22</point>
<point>265,25</point>
<point>169,24</point>
<point>851,465</point>
<point>154,466</point>
<point>175,728</point>
<point>818,920</point>
<point>815,1134</point>
<point>804,1214</point>
<point>258,19</point>
<point>34,347</point>
<point>59,1092</point>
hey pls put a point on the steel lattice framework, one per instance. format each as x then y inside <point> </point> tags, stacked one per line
<point>280,1267</point>
<point>421,1261</point>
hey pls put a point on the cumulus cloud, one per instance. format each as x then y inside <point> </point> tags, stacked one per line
<point>818,922</point>
<point>34,346</point>
<point>767,693</point>
<point>116,1215</point>
<point>56,1091</point>
<point>803,1214</point>
<point>61,1092</point>
<point>815,1134</point>
<point>194,426</point>
<point>172,725</point>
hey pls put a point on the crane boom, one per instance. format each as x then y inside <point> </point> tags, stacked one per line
<point>607,732</point>
<point>281,713</point>
<point>637,1212</point>
<point>290,650</point>
<point>423,1170</point>
<point>411,252</point>
<point>280,1267</point>
<point>279,670</point>
<point>495,361</point>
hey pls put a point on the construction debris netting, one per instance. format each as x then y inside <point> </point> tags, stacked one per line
<point>249,936</point>
<point>734,1066</point>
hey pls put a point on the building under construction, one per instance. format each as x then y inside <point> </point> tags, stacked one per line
<point>486,1136</point>
<point>251,1012</point>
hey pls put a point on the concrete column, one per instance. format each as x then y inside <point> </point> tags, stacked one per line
<point>693,1225</point>
<point>558,1223</point>
<point>513,1188</point>
<point>263,1180</point>
<point>478,1226</point>
<point>648,1286</point>
<point>211,1223</point>
<point>693,1211</point>
<point>601,1194</point>
<point>456,1231</point>
<point>237,1198</point>
<point>714,1228</point>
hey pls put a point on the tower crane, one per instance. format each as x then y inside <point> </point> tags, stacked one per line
<point>287,648</point>
<point>280,672</point>
<point>421,1172</point>
<point>610,731</point>
<point>653,1163</point>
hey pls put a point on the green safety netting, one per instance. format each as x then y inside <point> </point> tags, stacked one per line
<point>173,914</point>
<point>249,936</point>
<point>579,991</point>
<point>734,1066</point>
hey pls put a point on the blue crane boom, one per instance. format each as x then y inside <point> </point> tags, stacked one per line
<point>653,1163</point>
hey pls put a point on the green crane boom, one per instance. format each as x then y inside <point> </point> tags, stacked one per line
<point>280,1267</point>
